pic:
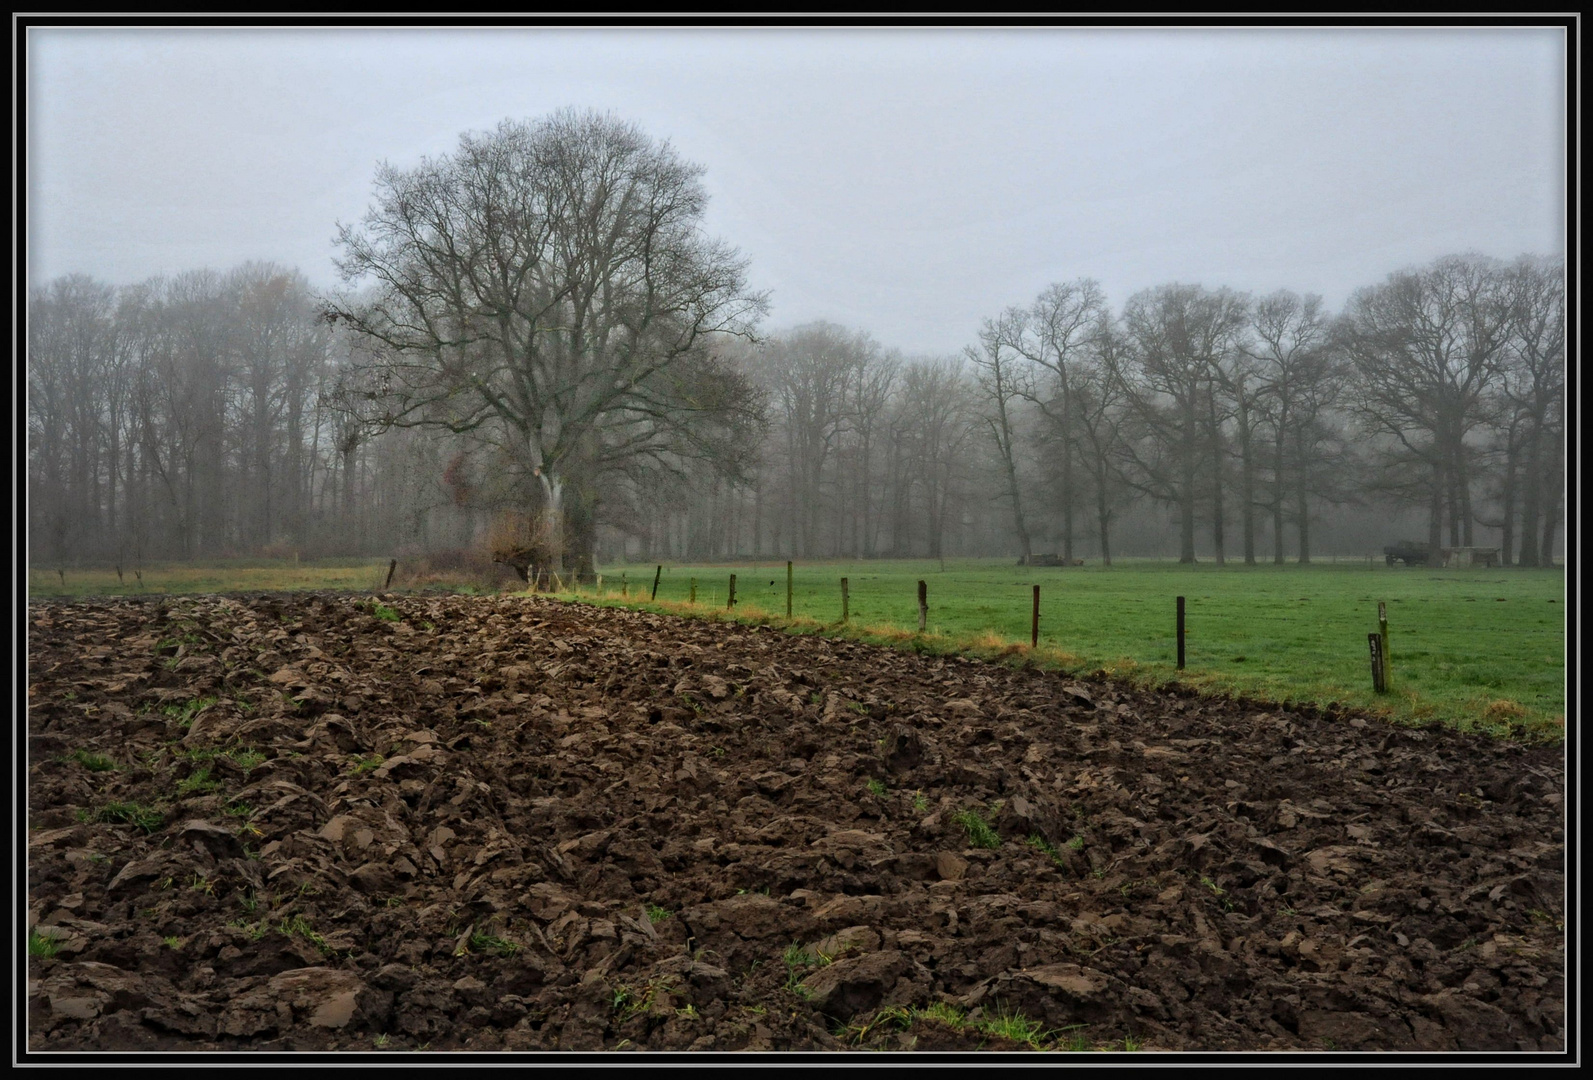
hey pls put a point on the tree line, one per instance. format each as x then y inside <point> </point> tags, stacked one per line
<point>535,328</point>
<point>1440,389</point>
<point>179,417</point>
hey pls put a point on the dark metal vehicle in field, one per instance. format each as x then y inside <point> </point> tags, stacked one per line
<point>1409,552</point>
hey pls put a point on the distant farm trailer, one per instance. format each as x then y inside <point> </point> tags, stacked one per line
<point>1412,553</point>
<point>1470,556</point>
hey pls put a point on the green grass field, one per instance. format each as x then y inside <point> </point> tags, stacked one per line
<point>210,575</point>
<point>1480,649</point>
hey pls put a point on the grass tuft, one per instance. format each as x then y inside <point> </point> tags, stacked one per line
<point>41,946</point>
<point>1040,844</point>
<point>298,925</point>
<point>483,942</point>
<point>184,714</point>
<point>1017,1027</point>
<point>93,762</point>
<point>980,834</point>
<point>197,783</point>
<point>125,813</point>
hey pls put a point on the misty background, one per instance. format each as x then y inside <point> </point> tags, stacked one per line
<point>1312,279</point>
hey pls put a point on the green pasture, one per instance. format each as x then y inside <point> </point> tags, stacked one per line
<point>209,576</point>
<point>1480,649</point>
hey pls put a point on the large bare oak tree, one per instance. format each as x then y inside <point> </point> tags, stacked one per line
<point>548,287</point>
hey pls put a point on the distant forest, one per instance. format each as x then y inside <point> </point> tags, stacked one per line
<point>220,414</point>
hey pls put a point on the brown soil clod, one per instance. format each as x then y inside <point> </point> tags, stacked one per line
<point>516,823</point>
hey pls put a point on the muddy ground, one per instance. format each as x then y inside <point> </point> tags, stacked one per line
<point>306,822</point>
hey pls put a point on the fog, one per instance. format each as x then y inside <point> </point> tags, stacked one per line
<point>928,292</point>
<point>909,181</point>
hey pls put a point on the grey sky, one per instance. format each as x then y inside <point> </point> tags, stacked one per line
<point>905,182</point>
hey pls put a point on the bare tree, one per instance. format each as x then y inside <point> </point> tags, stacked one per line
<point>1050,334</point>
<point>1100,390</point>
<point>809,373</point>
<point>549,286</point>
<point>938,419</point>
<point>1295,378</point>
<point>69,326</point>
<point>1531,406</point>
<point>1176,332</point>
<point>998,386</point>
<point>278,343</point>
<point>872,390</point>
<point>1427,346</point>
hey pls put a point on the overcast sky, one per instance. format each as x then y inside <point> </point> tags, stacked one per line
<point>905,182</point>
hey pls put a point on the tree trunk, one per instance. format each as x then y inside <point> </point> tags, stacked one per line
<point>347,509</point>
<point>1302,508</point>
<point>580,530</point>
<point>1302,495</point>
<point>1247,490</point>
<point>1452,503</point>
<point>1532,497</point>
<point>757,518</point>
<point>1463,486</point>
<point>1017,508</point>
<point>866,543</point>
<point>1216,475</point>
<point>1435,513</point>
<point>1278,493</point>
<point>1551,515</point>
<point>1508,503</point>
<point>1216,509</point>
<point>1067,497</point>
<point>1103,516</point>
<point>1186,501</point>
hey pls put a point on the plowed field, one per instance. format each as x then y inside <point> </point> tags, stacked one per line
<point>312,822</point>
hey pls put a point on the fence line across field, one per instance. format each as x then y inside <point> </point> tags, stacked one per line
<point>1378,642</point>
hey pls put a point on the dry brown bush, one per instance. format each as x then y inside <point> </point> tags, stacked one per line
<point>453,568</point>
<point>531,545</point>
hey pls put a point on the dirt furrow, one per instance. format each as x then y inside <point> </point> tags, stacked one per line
<point>323,821</point>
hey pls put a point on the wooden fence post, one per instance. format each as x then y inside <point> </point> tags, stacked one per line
<point>846,610</point>
<point>732,602</point>
<point>1382,632</point>
<point>655,581</point>
<point>788,588</point>
<point>392,564</point>
<point>625,586</point>
<point>1375,643</point>
<point>923,606</point>
<point>1180,633</point>
<point>1034,624</point>
<point>693,595</point>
